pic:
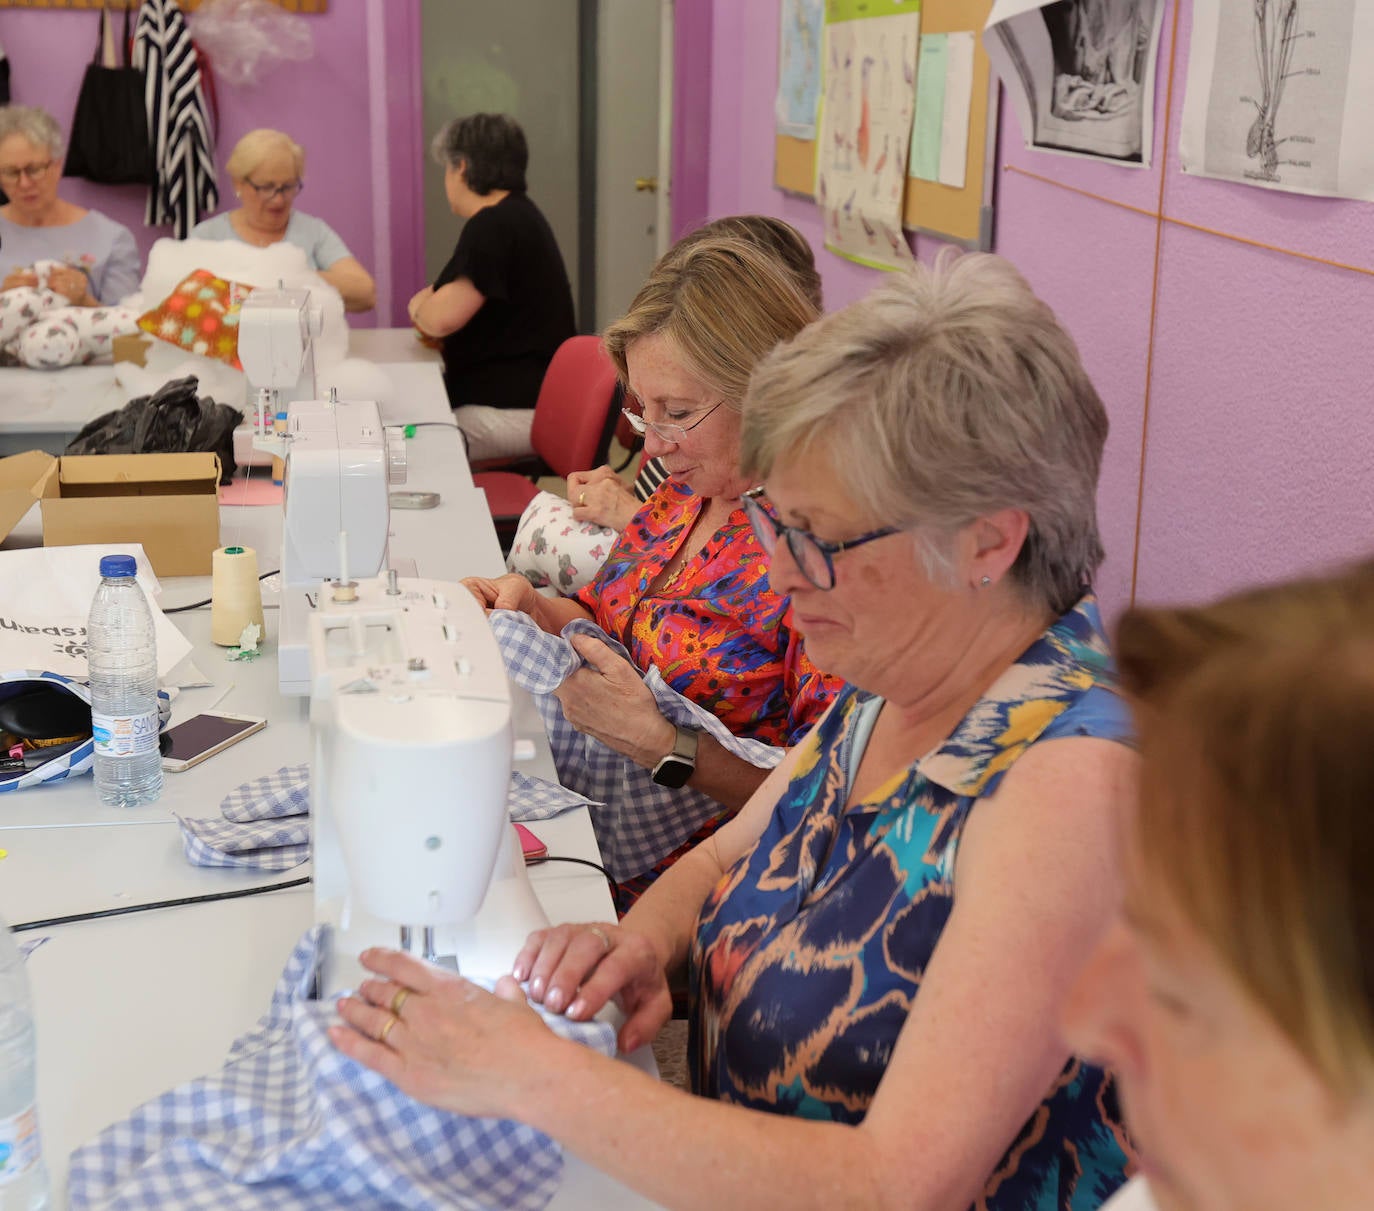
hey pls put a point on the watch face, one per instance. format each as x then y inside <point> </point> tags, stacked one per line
<point>673,772</point>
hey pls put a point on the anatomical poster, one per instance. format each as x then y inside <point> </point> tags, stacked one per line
<point>799,67</point>
<point>1080,73</point>
<point>1280,94</point>
<point>865,127</point>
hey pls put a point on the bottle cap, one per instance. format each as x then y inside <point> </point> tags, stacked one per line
<point>118,565</point>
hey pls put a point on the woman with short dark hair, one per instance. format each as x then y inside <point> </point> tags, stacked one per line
<point>502,305</point>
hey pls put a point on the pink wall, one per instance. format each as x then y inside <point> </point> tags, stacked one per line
<point>1258,447</point>
<point>323,103</point>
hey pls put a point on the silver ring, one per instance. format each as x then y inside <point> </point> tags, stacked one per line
<point>602,934</point>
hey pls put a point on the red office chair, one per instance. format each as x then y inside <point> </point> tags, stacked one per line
<point>574,417</point>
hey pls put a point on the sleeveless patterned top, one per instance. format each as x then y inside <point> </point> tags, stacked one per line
<point>810,950</point>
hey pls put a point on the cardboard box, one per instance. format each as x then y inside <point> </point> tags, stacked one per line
<point>169,503</point>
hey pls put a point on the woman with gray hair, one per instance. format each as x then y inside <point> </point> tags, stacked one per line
<point>926,463</point>
<point>97,259</point>
<point>502,305</point>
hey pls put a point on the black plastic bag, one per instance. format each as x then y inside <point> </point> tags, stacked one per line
<point>171,421</point>
<point>109,136</point>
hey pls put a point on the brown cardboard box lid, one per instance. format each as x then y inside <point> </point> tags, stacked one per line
<point>22,480</point>
<point>169,503</point>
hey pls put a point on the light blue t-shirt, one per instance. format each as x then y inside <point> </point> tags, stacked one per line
<point>103,248</point>
<point>320,241</point>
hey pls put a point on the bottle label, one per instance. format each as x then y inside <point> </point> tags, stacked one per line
<point>19,1149</point>
<point>124,735</point>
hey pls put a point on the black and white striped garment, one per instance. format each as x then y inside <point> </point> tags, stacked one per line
<point>652,472</point>
<point>178,128</point>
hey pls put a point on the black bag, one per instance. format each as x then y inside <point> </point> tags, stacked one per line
<point>109,136</point>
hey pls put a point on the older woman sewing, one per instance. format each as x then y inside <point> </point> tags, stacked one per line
<point>684,587</point>
<point>929,461</point>
<point>97,259</point>
<point>1235,998</point>
<point>267,168</point>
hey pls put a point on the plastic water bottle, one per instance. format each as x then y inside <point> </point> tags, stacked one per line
<point>121,649</point>
<point>23,1176</point>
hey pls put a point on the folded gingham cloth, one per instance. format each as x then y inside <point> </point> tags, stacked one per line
<point>289,1121</point>
<point>265,824</point>
<point>637,821</point>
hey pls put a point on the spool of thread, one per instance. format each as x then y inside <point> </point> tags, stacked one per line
<point>235,594</point>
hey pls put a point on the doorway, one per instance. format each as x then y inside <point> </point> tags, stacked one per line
<point>593,94</point>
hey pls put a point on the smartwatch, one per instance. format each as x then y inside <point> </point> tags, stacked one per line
<point>674,769</point>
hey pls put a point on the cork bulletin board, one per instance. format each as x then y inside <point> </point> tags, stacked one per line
<point>963,216</point>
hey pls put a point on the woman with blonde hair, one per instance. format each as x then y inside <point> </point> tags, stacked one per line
<point>1235,998</point>
<point>880,943</point>
<point>267,169</point>
<point>685,587</point>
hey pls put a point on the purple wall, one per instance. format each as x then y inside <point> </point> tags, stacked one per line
<point>323,103</point>
<point>1260,437</point>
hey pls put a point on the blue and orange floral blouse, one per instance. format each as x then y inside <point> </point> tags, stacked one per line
<point>719,635</point>
<point>809,952</point>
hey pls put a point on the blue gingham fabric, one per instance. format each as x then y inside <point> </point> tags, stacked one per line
<point>291,1122</point>
<point>540,799</point>
<point>637,821</point>
<point>265,824</point>
<point>76,760</point>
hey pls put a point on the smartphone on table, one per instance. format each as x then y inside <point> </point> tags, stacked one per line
<point>202,736</point>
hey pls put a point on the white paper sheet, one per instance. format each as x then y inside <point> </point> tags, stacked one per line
<point>1080,73</point>
<point>865,131</point>
<point>45,596</point>
<point>1281,94</point>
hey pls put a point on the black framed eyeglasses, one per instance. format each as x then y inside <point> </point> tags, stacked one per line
<point>664,430</point>
<point>269,191</point>
<point>814,556</point>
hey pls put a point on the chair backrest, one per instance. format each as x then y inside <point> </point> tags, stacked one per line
<point>576,404</point>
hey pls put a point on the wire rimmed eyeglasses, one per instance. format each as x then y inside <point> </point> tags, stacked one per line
<point>664,430</point>
<point>814,556</point>
<point>268,190</point>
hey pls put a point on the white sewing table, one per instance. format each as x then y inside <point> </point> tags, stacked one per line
<point>45,409</point>
<point>128,1007</point>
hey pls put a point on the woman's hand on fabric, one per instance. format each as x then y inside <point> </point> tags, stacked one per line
<point>446,1042</point>
<point>607,698</point>
<point>576,969</point>
<point>509,592</point>
<point>71,284</point>
<point>600,498</point>
<point>17,279</point>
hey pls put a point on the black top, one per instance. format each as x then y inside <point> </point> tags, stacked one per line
<point>499,356</point>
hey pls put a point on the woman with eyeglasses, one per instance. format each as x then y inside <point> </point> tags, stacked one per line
<point>96,258</point>
<point>685,586</point>
<point>880,944</point>
<point>267,169</point>
<point>1234,993</point>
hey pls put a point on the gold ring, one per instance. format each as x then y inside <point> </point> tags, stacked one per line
<point>582,500</point>
<point>601,933</point>
<point>386,1030</point>
<point>402,995</point>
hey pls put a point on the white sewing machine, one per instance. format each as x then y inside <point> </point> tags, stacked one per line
<point>337,514</point>
<point>410,714</point>
<point>276,345</point>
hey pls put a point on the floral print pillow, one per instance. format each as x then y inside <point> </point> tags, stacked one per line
<point>553,550</point>
<point>201,315</point>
